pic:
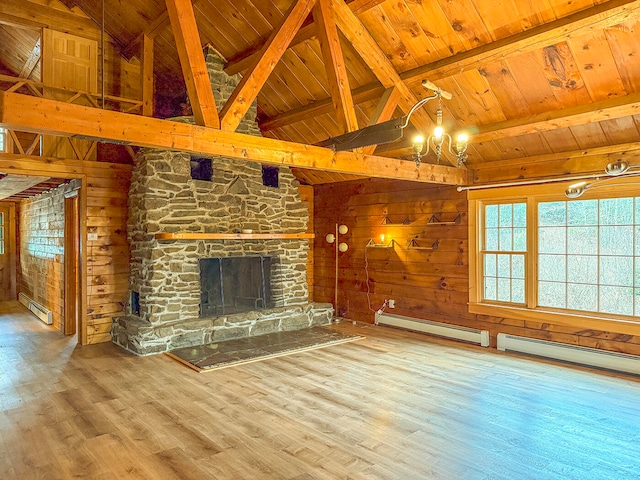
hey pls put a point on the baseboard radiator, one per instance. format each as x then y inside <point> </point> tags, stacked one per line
<point>38,310</point>
<point>592,357</point>
<point>471,335</point>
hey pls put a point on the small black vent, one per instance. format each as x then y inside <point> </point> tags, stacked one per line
<point>270,176</point>
<point>135,303</point>
<point>201,168</point>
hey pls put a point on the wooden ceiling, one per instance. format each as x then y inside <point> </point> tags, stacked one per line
<point>529,79</point>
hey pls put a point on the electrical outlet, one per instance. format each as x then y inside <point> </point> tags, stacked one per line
<point>92,237</point>
<point>392,304</point>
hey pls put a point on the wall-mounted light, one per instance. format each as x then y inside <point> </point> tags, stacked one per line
<point>340,247</point>
<point>373,243</point>
<point>615,171</point>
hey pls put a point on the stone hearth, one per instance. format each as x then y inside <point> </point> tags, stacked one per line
<point>163,198</point>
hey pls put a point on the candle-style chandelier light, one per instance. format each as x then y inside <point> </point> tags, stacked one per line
<point>438,139</point>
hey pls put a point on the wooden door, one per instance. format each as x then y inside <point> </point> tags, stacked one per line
<point>7,253</point>
<point>71,264</point>
<point>70,62</point>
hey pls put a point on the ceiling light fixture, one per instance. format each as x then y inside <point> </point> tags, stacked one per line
<point>439,139</point>
<point>615,170</point>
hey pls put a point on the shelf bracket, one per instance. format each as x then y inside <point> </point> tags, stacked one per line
<point>434,220</point>
<point>414,245</point>
<point>373,244</point>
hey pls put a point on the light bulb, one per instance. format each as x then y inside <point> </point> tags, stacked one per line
<point>619,167</point>
<point>330,238</point>
<point>418,143</point>
<point>343,247</point>
<point>438,132</point>
<point>342,229</point>
<point>462,142</point>
<point>382,238</point>
<point>575,190</point>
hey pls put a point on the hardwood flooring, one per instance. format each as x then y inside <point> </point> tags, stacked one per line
<point>395,405</point>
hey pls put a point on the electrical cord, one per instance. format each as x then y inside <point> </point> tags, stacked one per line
<point>378,312</point>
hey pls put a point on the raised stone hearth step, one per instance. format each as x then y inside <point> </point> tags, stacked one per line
<point>143,338</point>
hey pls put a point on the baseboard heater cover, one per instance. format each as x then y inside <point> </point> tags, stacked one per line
<point>471,335</point>
<point>38,310</point>
<point>592,357</point>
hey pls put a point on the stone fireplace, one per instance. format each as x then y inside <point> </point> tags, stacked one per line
<point>169,307</point>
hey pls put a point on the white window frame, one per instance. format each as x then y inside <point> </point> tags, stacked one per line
<point>3,233</point>
<point>534,194</point>
<point>4,133</point>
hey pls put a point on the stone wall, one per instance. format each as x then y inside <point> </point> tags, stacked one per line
<point>163,198</point>
<point>42,249</point>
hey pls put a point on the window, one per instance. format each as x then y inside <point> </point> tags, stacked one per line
<point>543,256</point>
<point>3,140</point>
<point>504,251</point>
<point>587,255</point>
<point>1,233</point>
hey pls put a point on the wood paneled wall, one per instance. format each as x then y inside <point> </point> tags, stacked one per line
<point>103,211</point>
<point>425,284</point>
<point>107,189</point>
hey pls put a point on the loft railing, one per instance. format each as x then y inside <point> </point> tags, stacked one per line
<point>29,143</point>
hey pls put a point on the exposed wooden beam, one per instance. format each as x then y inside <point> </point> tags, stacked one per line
<point>21,13</point>
<point>40,115</point>
<point>384,111</point>
<point>556,165</point>
<point>317,108</point>
<point>247,90</point>
<point>32,61</point>
<point>194,67</point>
<point>335,66</point>
<point>152,31</point>
<point>380,65</point>
<point>146,75</point>
<point>609,109</point>
<point>601,152</point>
<point>376,60</point>
<point>603,15</point>
<point>135,48</point>
<point>243,60</point>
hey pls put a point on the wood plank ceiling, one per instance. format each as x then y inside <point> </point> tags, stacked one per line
<point>528,79</point>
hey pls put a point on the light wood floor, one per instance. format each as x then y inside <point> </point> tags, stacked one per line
<point>393,406</point>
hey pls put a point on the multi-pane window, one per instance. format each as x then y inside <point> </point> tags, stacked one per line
<point>504,252</point>
<point>3,140</point>
<point>1,233</point>
<point>558,256</point>
<point>589,255</point>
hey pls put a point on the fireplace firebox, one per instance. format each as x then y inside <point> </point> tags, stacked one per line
<point>231,285</point>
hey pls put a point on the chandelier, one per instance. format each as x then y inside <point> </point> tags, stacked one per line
<point>439,139</point>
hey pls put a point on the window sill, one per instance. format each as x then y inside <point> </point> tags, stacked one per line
<point>580,321</point>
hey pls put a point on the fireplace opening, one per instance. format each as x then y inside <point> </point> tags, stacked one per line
<point>231,285</point>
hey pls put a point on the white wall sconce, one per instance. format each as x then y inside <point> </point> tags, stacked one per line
<point>340,247</point>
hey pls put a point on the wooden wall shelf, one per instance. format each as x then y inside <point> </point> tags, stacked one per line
<point>231,236</point>
<point>434,220</point>
<point>414,245</point>
<point>387,221</point>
